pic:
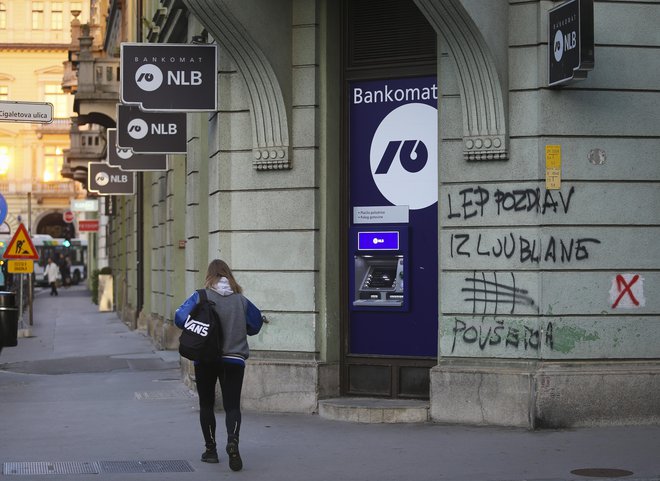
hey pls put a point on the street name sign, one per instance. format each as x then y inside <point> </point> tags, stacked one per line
<point>169,77</point>
<point>151,132</point>
<point>127,160</point>
<point>108,180</point>
<point>31,112</point>
<point>570,42</point>
<point>84,205</point>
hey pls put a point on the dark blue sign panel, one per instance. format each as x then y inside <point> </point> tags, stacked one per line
<point>378,241</point>
<point>393,148</point>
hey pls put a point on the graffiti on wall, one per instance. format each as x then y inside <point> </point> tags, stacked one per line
<point>627,291</point>
<point>525,249</point>
<point>478,202</point>
<point>516,335</point>
<point>490,293</point>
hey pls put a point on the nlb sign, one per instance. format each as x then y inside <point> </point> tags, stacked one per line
<point>151,132</point>
<point>169,77</point>
<point>105,179</point>
<point>127,160</point>
<point>570,41</point>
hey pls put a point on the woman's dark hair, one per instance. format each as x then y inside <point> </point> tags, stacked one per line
<point>218,269</point>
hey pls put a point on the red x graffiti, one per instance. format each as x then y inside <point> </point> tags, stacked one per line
<point>625,288</point>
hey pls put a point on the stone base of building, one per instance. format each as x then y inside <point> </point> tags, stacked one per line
<point>280,385</point>
<point>164,334</point>
<point>286,385</point>
<point>544,394</point>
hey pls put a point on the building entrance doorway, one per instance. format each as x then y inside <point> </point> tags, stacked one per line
<point>390,321</point>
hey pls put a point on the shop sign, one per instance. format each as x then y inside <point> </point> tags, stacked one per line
<point>151,132</point>
<point>170,77</point>
<point>127,160</point>
<point>570,42</point>
<point>105,179</point>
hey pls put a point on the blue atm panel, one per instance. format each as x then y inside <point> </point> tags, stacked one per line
<point>379,271</point>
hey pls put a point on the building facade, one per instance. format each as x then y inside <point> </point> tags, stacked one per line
<point>415,210</point>
<point>34,40</point>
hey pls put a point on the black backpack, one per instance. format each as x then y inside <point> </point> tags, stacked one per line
<point>201,339</point>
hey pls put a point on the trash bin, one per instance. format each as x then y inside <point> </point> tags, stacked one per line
<point>8,319</point>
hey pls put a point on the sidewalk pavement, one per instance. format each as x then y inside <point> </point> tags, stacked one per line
<point>87,395</point>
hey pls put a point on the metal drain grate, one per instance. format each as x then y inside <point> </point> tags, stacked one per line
<point>45,467</point>
<point>602,472</point>
<point>168,466</point>
<point>170,394</point>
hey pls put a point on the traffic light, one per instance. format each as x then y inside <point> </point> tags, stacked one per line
<point>67,236</point>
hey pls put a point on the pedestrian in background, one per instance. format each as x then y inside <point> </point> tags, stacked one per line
<point>231,306</point>
<point>51,273</point>
<point>65,271</point>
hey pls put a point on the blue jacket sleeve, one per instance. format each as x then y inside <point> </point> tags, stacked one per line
<point>253,318</point>
<point>184,310</point>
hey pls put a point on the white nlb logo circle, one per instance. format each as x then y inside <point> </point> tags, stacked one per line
<point>102,179</point>
<point>124,153</point>
<point>404,156</point>
<point>559,45</point>
<point>148,77</point>
<point>138,129</point>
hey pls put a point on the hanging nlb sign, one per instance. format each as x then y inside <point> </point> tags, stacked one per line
<point>169,77</point>
<point>570,42</point>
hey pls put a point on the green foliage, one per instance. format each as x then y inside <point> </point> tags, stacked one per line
<point>95,286</point>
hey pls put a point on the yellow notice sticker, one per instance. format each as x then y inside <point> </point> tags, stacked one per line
<point>553,167</point>
<point>20,267</point>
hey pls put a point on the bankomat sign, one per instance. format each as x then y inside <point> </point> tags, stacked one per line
<point>393,237</point>
<point>169,77</point>
<point>570,41</point>
<point>403,153</point>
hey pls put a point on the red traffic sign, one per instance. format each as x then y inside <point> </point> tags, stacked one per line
<point>68,216</point>
<point>88,225</point>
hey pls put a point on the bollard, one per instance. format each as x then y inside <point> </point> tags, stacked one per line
<point>8,319</point>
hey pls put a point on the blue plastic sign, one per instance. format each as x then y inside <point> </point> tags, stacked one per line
<point>393,163</point>
<point>3,208</point>
<point>378,241</point>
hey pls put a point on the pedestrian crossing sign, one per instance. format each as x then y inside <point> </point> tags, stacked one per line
<point>21,246</point>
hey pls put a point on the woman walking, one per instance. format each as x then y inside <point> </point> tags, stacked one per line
<point>231,306</point>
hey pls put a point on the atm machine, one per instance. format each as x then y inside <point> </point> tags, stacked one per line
<point>379,272</point>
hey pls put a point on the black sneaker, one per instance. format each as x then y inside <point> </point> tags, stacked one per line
<point>235,461</point>
<point>210,456</point>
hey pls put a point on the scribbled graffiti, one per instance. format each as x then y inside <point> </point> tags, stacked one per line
<point>627,291</point>
<point>509,334</point>
<point>475,202</point>
<point>489,295</point>
<point>527,250</point>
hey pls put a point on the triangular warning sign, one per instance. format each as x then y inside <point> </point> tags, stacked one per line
<point>21,246</point>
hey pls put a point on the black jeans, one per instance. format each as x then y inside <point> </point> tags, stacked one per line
<point>231,384</point>
<point>53,288</point>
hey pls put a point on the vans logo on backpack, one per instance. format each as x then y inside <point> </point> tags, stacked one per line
<point>196,327</point>
<point>201,338</point>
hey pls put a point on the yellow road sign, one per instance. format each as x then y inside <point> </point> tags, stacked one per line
<point>21,246</point>
<point>20,267</point>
